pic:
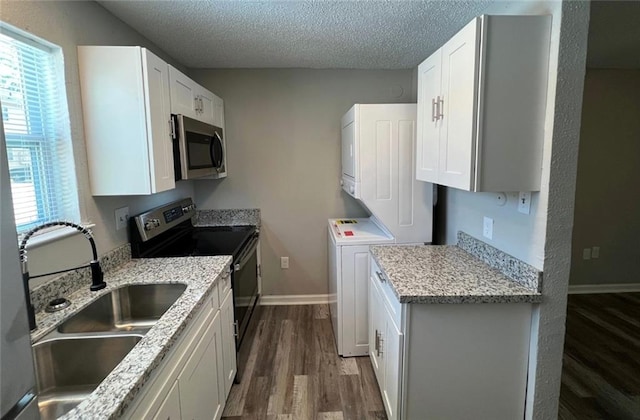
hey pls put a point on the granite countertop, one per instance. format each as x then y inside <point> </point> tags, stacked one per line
<point>121,386</point>
<point>446,274</point>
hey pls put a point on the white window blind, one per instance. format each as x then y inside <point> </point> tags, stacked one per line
<point>36,127</point>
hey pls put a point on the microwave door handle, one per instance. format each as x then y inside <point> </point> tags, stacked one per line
<point>212,153</point>
<point>218,163</point>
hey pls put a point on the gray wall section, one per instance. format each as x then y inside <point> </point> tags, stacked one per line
<point>607,212</point>
<point>283,140</point>
<point>69,24</point>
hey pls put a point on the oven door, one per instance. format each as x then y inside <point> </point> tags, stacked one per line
<point>244,283</point>
<point>198,148</point>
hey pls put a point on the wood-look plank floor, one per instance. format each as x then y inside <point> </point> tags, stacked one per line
<point>293,372</point>
<point>601,364</point>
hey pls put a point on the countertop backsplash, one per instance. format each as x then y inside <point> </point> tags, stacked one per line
<point>517,270</point>
<point>70,282</point>
<point>227,217</point>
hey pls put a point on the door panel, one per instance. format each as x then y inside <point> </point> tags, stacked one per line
<point>392,354</point>
<point>428,131</point>
<point>198,381</point>
<point>355,274</point>
<point>183,93</point>
<point>228,344</point>
<point>170,408</point>
<point>159,105</point>
<point>375,329</point>
<point>458,131</point>
<point>348,149</point>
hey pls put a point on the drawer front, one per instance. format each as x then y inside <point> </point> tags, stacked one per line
<point>388,296</point>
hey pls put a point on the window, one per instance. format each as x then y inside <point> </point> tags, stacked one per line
<point>36,128</point>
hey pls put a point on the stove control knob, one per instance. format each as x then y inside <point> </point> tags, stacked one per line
<point>351,189</point>
<point>151,224</point>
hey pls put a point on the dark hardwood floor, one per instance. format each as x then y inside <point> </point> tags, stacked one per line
<point>601,364</point>
<point>292,371</point>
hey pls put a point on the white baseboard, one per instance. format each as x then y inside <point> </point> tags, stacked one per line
<point>293,300</point>
<point>603,288</point>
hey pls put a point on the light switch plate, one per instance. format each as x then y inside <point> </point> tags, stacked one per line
<point>284,262</point>
<point>586,254</point>
<point>122,218</point>
<point>595,252</point>
<point>487,228</point>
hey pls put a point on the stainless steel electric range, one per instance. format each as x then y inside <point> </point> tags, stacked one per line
<point>168,231</point>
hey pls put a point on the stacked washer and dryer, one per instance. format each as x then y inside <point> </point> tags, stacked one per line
<point>378,170</point>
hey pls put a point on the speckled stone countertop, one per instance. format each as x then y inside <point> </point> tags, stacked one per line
<point>120,387</point>
<point>446,274</point>
<point>227,217</point>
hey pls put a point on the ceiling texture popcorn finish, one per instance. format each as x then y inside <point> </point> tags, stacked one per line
<point>298,34</point>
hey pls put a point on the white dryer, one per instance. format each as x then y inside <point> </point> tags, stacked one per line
<point>349,241</point>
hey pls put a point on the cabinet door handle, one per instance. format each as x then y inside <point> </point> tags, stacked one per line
<point>380,346</point>
<point>195,104</point>
<point>440,107</point>
<point>377,343</point>
<point>201,105</point>
<point>434,113</point>
<point>380,277</point>
<point>235,329</point>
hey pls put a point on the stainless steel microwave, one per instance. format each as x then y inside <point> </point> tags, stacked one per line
<point>198,149</point>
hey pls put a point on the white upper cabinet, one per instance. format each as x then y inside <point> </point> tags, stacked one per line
<point>192,100</point>
<point>126,110</point>
<point>481,106</point>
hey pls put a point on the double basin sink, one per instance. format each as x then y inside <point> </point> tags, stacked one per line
<point>75,358</point>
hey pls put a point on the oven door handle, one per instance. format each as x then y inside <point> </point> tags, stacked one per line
<point>246,254</point>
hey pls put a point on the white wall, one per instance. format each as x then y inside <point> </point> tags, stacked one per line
<point>543,238</point>
<point>283,139</point>
<point>607,200</point>
<point>69,24</point>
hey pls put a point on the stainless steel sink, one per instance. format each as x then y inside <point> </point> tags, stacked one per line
<point>128,308</point>
<point>69,369</point>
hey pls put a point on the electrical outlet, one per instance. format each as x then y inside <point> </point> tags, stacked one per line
<point>284,262</point>
<point>595,252</point>
<point>487,228</point>
<point>586,254</point>
<point>524,202</point>
<point>122,218</point>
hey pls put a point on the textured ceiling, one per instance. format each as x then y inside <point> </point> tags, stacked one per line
<point>318,34</point>
<point>614,35</point>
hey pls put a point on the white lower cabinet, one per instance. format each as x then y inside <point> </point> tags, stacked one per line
<point>170,407</point>
<point>385,347</point>
<point>200,396</point>
<point>448,361</point>
<point>195,378</point>
<point>228,343</point>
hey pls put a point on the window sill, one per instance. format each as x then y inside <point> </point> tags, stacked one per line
<point>54,235</point>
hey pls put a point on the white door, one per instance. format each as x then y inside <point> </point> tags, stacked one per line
<point>460,58</point>
<point>170,408</point>
<point>353,299</point>
<point>428,131</point>
<point>218,112</point>
<point>198,381</point>
<point>348,148</point>
<point>228,344</point>
<point>207,105</point>
<point>333,252</point>
<point>376,309</point>
<point>158,104</point>
<point>391,349</point>
<point>183,94</point>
